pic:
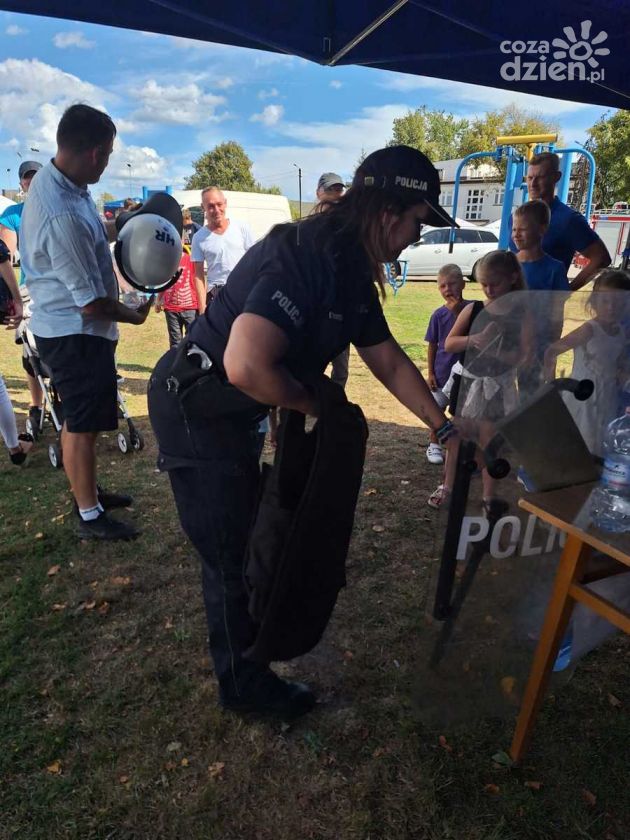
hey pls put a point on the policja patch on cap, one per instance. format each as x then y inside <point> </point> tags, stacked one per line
<point>408,173</point>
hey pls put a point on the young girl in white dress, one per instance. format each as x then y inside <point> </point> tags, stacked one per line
<point>599,354</point>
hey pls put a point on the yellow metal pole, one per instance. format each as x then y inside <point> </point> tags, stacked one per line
<point>529,140</point>
<point>526,139</point>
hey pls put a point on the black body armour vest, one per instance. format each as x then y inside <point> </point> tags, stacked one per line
<point>295,559</point>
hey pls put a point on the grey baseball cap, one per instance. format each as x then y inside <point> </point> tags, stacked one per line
<point>328,180</point>
<point>28,166</point>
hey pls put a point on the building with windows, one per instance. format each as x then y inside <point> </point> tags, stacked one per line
<point>481,191</point>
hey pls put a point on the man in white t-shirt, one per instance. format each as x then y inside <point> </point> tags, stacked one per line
<point>220,244</point>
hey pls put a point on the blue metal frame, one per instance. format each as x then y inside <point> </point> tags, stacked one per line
<point>147,192</point>
<point>396,282</point>
<point>514,180</point>
<point>563,186</point>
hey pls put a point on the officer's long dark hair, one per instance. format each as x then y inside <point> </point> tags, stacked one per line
<point>359,214</point>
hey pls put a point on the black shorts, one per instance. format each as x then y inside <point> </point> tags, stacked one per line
<point>84,374</point>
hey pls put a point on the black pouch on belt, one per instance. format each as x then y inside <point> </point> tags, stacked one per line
<point>203,390</point>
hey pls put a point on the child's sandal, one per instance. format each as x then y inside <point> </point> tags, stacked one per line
<point>439,497</point>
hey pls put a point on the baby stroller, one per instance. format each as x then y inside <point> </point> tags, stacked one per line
<point>52,408</point>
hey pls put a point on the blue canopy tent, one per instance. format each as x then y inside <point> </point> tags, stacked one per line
<point>573,51</point>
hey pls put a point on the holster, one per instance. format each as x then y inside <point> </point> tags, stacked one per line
<point>206,394</point>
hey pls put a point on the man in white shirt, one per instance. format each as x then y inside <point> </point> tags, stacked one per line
<point>75,308</point>
<point>220,244</point>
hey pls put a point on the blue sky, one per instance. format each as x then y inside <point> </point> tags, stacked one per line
<point>172,99</point>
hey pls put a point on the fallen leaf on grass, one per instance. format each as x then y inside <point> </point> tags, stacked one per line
<point>54,768</point>
<point>168,624</point>
<point>589,797</point>
<point>614,701</point>
<point>174,746</point>
<point>86,605</point>
<point>184,762</point>
<point>507,685</point>
<point>104,608</point>
<point>215,771</point>
<point>39,535</point>
<point>490,788</point>
<point>444,744</point>
<point>533,785</point>
<point>119,580</point>
<point>371,491</point>
<point>503,759</point>
<point>53,570</point>
<point>58,607</point>
<point>123,779</point>
<point>378,752</point>
<point>378,528</point>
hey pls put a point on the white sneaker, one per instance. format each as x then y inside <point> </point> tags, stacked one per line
<point>435,454</point>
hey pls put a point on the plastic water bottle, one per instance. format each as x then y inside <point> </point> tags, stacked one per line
<point>611,500</point>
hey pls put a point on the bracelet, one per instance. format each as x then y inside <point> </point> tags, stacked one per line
<point>445,431</point>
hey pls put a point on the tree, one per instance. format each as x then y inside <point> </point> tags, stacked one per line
<point>436,133</point>
<point>268,190</point>
<point>610,144</point>
<point>362,156</point>
<point>226,166</point>
<point>482,132</point>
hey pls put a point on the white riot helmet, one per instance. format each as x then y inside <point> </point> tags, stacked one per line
<point>149,245</point>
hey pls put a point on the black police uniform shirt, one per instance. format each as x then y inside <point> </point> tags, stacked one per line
<point>311,280</point>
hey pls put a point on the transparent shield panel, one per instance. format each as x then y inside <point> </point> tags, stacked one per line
<point>543,376</point>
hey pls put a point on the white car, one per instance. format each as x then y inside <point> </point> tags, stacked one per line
<point>431,252</point>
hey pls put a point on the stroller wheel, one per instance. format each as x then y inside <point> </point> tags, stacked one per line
<point>123,443</point>
<point>54,456</point>
<point>137,441</point>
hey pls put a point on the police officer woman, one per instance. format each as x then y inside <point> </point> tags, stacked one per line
<point>293,302</point>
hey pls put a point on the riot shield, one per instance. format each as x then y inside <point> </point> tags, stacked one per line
<point>542,376</point>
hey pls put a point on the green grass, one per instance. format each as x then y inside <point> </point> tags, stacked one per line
<point>104,674</point>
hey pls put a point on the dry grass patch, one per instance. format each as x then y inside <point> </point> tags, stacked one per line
<point>109,723</point>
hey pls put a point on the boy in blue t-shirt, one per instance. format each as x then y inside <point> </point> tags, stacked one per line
<point>529,226</point>
<point>542,273</point>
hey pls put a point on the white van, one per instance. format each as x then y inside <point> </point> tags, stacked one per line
<point>260,211</point>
